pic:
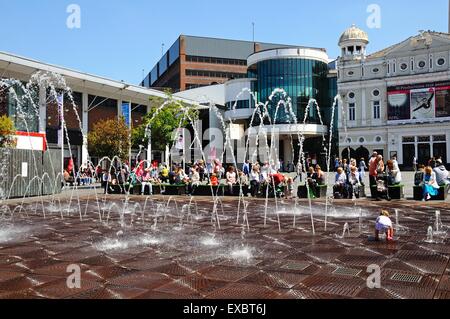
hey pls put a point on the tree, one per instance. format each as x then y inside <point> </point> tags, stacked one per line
<point>110,138</point>
<point>7,132</point>
<point>163,122</point>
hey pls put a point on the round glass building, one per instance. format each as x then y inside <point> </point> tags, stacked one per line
<point>300,72</point>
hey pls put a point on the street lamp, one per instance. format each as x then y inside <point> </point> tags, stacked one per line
<point>148,135</point>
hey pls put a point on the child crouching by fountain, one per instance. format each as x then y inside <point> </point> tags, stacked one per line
<point>384,224</point>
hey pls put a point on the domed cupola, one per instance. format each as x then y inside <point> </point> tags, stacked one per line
<point>353,43</point>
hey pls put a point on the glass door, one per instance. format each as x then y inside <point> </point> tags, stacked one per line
<point>409,151</point>
<point>424,153</point>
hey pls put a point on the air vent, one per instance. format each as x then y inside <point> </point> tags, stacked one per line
<point>347,272</point>
<point>409,278</point>
<point>296,265</point>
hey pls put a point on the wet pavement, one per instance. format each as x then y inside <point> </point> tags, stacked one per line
<point>180,249</point>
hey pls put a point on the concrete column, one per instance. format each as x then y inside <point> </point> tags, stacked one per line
<point>85,127</point>
<point>119,108</point>
<point>363,108</point>
<point>42,109</point>
<point>288,151</point>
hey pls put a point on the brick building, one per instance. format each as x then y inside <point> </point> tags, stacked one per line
<point>193,62</point>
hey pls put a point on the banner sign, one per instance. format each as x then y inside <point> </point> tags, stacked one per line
<point>126,113</point>
<point>419,101</point>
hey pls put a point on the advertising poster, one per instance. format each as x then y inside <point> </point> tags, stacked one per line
<point>443,101</point>
<point>422,104</point>
<point>398,105</point>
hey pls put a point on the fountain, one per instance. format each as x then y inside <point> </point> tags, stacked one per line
<point>430,236</point>
<point>345,230</point>
<point>439,227</point>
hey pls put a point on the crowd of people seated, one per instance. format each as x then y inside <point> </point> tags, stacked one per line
<point>431,178</point>
<point>263,178</point>
<point>256,177</point>
<point>349,178</point>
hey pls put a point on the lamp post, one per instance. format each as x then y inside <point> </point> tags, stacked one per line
<point>148,134</point>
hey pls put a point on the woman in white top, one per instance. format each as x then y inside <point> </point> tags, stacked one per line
<point>340,185</point>
<point>195,180</point>
<point>393,171</point>
<point>231,178</point>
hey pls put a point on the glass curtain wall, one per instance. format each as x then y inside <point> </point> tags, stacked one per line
<point>302,79</point>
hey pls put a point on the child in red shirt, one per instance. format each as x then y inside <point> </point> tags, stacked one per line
<point>214,180</point>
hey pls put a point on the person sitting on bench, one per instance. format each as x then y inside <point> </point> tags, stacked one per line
<point>418,176</point>
<point>231,178</point>
<point>146,178</point>
<point>429,185</point>
<point>442,176</point>
<point>340,186</point>
<point>194,181</point>
<point>354,183</point>
<point>393,173</point>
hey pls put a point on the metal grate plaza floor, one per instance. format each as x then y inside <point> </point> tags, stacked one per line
<point>176,254</point>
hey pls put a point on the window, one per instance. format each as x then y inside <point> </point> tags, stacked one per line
<point>362,140</point>
<point>422,64</point>
<point>211,60</point>
<point>351,95</point>
<point>404,66</point>
<point>441,61</point>
<point>439,138</point>
<point>409,139</point>
<point>238,105</point>
<point>350,73</point>
<point>376,110</point>
<point>378,139</point>
<point>375,70</point>
<point>215,74</point>
<point>424,139</point>
<point>376,93</point>
<point>351,112</point>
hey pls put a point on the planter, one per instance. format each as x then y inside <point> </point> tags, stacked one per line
<point>321,191</point>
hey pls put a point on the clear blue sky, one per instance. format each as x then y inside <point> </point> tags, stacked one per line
<point>118,38</point>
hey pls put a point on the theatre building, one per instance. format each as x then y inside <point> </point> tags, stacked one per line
<point>395,101</point>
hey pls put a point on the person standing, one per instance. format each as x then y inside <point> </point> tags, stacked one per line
<point>373,165</point>
<point>246,168</point>
<point>362,167</point>
<point>255,180</point>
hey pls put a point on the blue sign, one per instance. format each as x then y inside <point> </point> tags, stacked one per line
<point>126,113</point>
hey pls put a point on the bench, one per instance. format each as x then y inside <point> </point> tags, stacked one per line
<point>208,190</point>
<point>116,189</point>
<point>394,191</point>
<point>236,190</point>
<point>443,193</point>
<point>173,190</point>
<point>322,190</point>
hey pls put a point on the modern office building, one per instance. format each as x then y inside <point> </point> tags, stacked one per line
<point>193,62</point>
<point>303,74</point>
<point>395,101</point>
